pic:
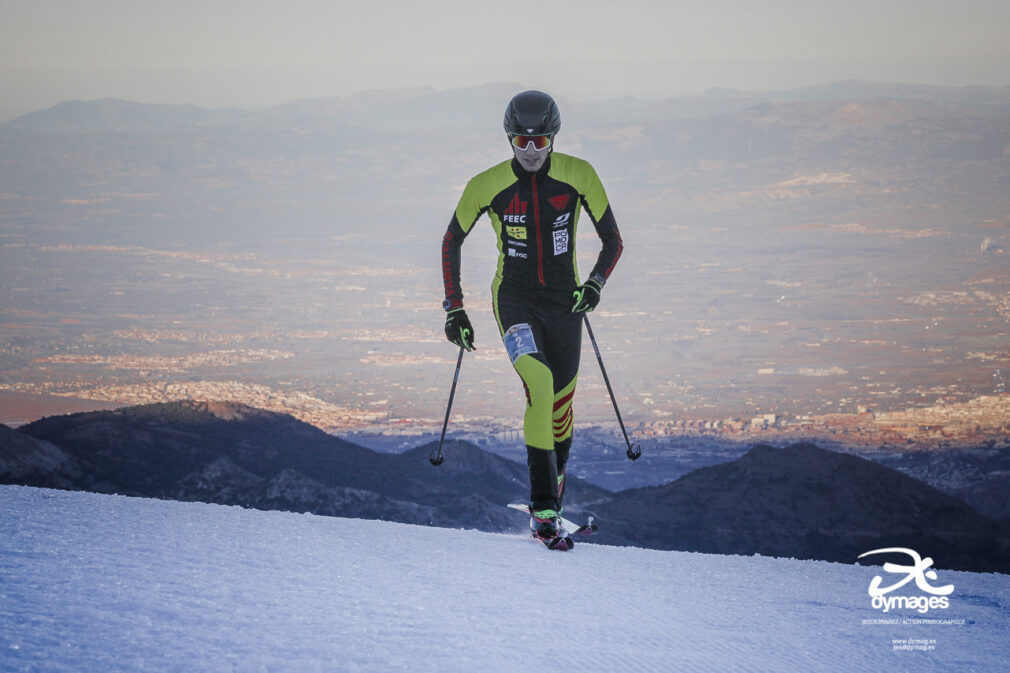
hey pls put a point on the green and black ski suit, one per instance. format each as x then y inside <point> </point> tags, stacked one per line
<point>535,217</point>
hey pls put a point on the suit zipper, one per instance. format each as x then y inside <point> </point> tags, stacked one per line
<point>540,240</point>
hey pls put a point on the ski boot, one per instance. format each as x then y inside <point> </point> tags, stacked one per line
<point>546,527</point>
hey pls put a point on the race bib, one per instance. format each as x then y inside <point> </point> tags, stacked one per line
<point>519,341</point>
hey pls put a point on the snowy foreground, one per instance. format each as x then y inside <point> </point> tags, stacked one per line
<point>106,583</point>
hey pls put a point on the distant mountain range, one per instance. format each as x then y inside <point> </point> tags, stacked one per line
<point>323,155</point>
<point>800,501</point>
<point>978,475</point>
<point>858,123</point>
<point>470,106</point>
<point>805,502</point>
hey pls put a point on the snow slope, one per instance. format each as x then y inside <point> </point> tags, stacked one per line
<point>106,583</point>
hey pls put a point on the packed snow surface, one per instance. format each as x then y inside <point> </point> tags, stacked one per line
<point>106,583</point>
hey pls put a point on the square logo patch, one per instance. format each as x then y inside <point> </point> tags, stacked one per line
<point>560,241</point>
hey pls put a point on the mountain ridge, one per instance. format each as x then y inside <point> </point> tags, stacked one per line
<point>230,453</point>
<point>806,502</point>
<point>116,114</point>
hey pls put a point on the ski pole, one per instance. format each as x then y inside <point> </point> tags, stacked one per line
<point>436,458</point>
<point>633,452</point>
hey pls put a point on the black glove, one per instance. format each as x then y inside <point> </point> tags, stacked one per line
<point>458,329</point>
<point>586,296</point>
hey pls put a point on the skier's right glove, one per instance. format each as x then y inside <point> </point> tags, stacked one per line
<point>458,329</point>
<point>586,296</point>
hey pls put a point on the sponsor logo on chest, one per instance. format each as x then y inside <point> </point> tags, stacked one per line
<point>515,211</point>
<point>560,241</point>
<point>559,202</point>
<point>516,232</point>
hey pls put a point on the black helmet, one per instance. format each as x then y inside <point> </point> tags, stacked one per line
<point>532,113</point>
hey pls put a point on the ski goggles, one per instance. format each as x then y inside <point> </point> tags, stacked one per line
<point>540,143</point>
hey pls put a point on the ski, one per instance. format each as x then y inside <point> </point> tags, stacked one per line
<point>590,528</point>
<point>560,543</point>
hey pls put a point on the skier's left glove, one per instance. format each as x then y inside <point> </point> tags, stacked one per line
<point>458,329</point>
<point>586,296</point>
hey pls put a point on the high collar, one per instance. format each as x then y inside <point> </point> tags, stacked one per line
<point>524,174</point>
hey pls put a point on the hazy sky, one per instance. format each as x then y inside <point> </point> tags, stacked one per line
<point>253,53</point>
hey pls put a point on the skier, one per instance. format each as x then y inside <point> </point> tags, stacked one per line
<point>533,201</point>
